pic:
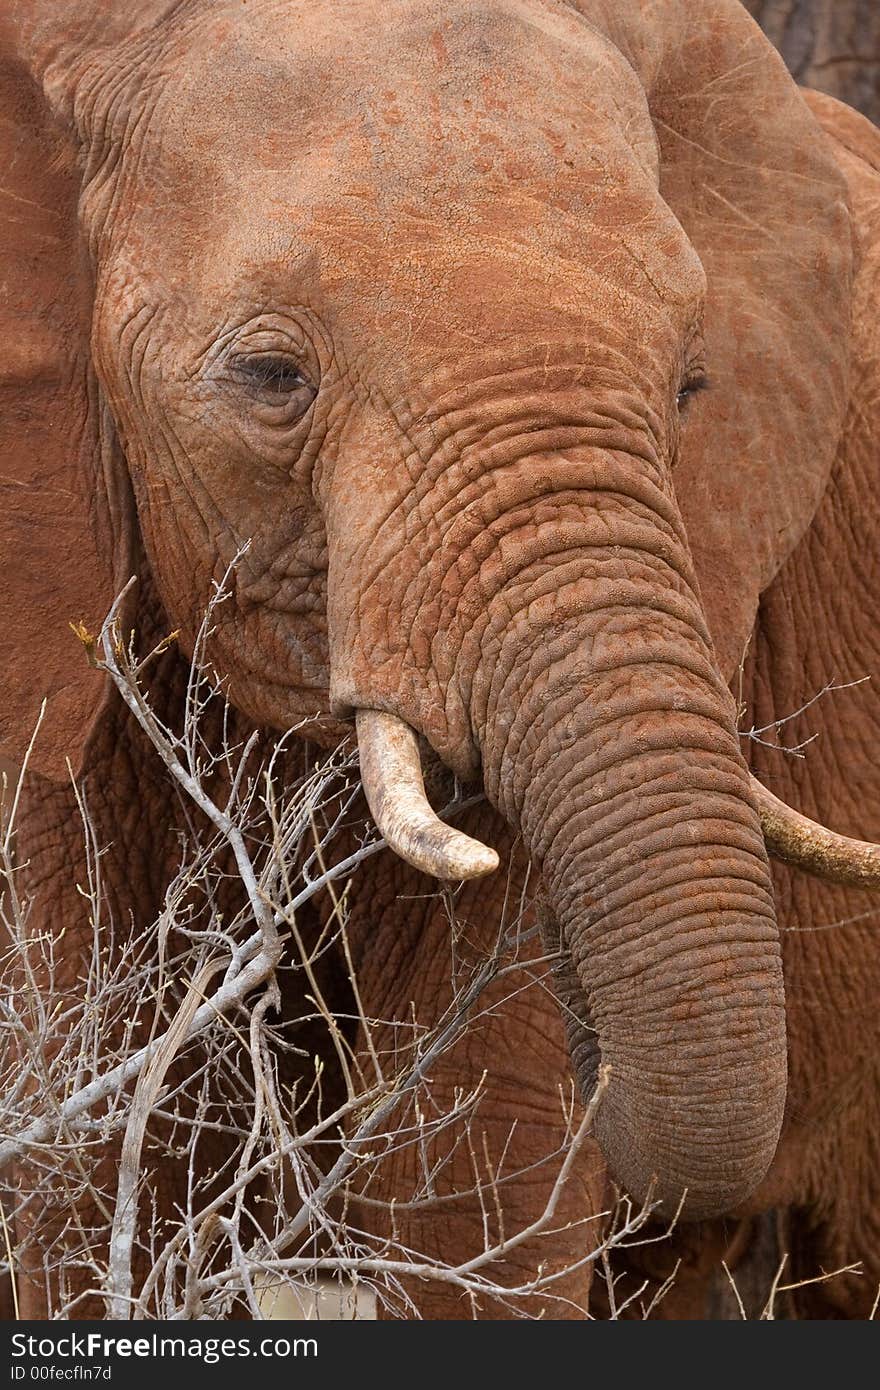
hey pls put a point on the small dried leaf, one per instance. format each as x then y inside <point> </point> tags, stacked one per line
<point>88,640</point>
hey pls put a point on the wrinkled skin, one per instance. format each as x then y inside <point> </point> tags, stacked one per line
<point>419,306</point>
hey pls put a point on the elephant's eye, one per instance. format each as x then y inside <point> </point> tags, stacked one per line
<point>275,380</point>
<point>694,381</point>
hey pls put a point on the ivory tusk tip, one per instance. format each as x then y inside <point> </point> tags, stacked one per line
<point>805,844</point>
<point>392,777</point>
<point>480,860</point>
<point>436,849</point>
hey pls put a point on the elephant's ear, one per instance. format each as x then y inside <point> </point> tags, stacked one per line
<point>65,519</point>
<point>752,178</point>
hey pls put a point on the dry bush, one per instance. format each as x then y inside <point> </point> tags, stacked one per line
<point>278,1219</point>
<point>204,992</point>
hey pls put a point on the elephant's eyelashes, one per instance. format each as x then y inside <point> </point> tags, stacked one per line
<point>275,380</point>
<point>695,381</point>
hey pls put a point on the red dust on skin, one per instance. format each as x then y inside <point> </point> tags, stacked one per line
<point>491,521</point>
<point>440,50</point>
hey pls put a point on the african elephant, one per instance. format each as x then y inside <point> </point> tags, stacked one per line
<point>421,302</point>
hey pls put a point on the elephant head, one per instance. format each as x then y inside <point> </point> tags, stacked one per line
<point>419,304</point>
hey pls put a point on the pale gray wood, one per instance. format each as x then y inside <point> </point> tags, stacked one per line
<point>833,45</point>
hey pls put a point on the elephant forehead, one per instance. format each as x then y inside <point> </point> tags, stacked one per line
<point>422,263</point>
<point>404,287</point>
<point>417,179</point>
<point>410,86</point>
<point>302,60</point>
<point>496,226</point>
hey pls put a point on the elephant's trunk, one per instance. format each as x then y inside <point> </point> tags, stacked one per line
<point>571,647</point>
<point>608,738</point>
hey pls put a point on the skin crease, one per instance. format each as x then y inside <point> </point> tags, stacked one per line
<point>500,262</point>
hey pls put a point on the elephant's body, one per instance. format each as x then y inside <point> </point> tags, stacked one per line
<point>433,358</point>
<point>816,625</point>
<point>815,628</point>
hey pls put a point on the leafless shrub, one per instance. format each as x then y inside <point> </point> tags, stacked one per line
<point>775,1306</point>
<point>770,735</point>
<point>180,1037</point>
<point>204,993</point>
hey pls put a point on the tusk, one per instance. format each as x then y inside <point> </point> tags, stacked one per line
<point>392,775</point>
<point>796,840</point>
